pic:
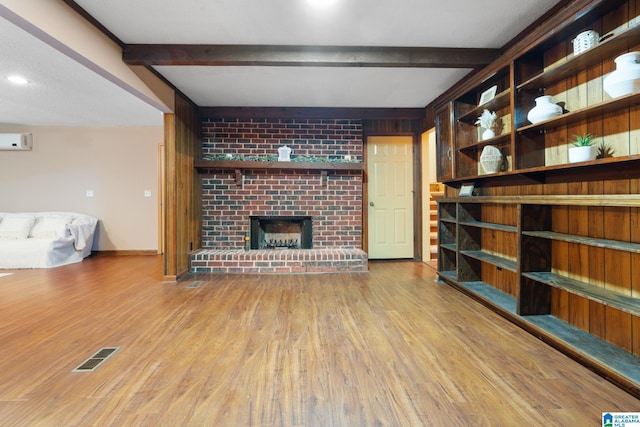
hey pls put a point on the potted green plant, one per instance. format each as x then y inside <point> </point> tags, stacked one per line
<point>604,151</point>
<point>583,149</point>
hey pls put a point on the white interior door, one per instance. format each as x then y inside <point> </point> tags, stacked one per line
<point>390,170</point>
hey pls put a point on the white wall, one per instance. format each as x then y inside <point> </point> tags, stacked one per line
<point>117,163</point>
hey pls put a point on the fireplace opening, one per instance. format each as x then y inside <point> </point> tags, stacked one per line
<point>281,232</point>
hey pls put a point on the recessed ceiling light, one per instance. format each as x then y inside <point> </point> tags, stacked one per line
<point>322,3</point>
<point>19,80</point>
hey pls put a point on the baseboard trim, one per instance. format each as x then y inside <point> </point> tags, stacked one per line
<point>125,253</point>
<point>174,278</point>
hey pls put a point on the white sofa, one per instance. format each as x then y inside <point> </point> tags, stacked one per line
<point>44,239</point>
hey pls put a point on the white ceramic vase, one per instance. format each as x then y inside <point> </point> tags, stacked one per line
<point>488,134</point>
<point>626,78</point>
<point>491,159</point>
<point>582,154</point>
<point>544,110</point>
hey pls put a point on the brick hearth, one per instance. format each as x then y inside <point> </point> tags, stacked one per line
<point>279,261</point>
<point>333,202</point>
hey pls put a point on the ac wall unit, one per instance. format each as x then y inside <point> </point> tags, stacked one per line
<point>16,141</point>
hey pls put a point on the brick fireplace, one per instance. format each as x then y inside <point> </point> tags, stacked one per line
<point>280,232</point>
<point>331,199</point>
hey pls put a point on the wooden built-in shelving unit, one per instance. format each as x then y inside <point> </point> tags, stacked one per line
<point>545,66</point>
<point>510,252</point>
<point>553,246</point>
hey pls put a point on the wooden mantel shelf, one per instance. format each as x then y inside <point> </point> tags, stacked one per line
<point>239,166</point>
<point>203,165</point>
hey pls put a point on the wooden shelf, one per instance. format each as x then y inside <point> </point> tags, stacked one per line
<point>239,166</point>
<point>204,165</point>
<point>498,261</point>
<point>612,46</point>
<point>615,163</point>
<point>489,226</point>
<point>604,296</point>
<point>612,200</point>
<point>627,167</point>
<point>487,294</point>
<point>451,275</point>
<point>449,246</point>
<point>571,117</point>
<point>496,140</point>
<point>589,241</point>
<point>480,179</point>
<point>500,101</point>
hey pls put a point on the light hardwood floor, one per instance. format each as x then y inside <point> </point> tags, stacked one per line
<point>385,348</point>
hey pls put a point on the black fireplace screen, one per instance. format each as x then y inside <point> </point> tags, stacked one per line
<point>281,232</point>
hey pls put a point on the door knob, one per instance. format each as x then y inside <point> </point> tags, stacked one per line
<point>370,203</point>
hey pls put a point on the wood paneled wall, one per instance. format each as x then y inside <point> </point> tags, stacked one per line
<point>183,187</point>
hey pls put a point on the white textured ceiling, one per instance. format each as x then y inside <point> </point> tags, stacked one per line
<point>311,86</point>
<point>412,23</point>
<point>61,92</point>
<point>451,23</point>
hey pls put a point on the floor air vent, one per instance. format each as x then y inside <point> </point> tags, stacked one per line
<point>92,363</point>
<point>195,284</point>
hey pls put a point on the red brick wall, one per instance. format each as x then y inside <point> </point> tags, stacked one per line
<point>306,137</point>
<point>336,208</point>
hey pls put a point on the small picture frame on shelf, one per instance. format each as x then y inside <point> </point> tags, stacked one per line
<point>488,95</point>
<point>466,190</point>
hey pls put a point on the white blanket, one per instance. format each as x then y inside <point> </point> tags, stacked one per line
<point>69,243</point>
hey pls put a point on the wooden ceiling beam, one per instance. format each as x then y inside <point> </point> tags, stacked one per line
<point>312,113</point>
<point>316,56</point>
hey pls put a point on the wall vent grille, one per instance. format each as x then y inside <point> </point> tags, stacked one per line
<point>195,284</point>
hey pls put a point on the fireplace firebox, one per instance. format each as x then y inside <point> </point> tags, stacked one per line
<point>281,232</point>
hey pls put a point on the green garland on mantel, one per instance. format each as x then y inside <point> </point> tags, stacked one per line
<point>274,158</point>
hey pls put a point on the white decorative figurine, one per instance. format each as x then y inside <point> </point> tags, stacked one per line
<point>487,121</point>
<point>284,154</point>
